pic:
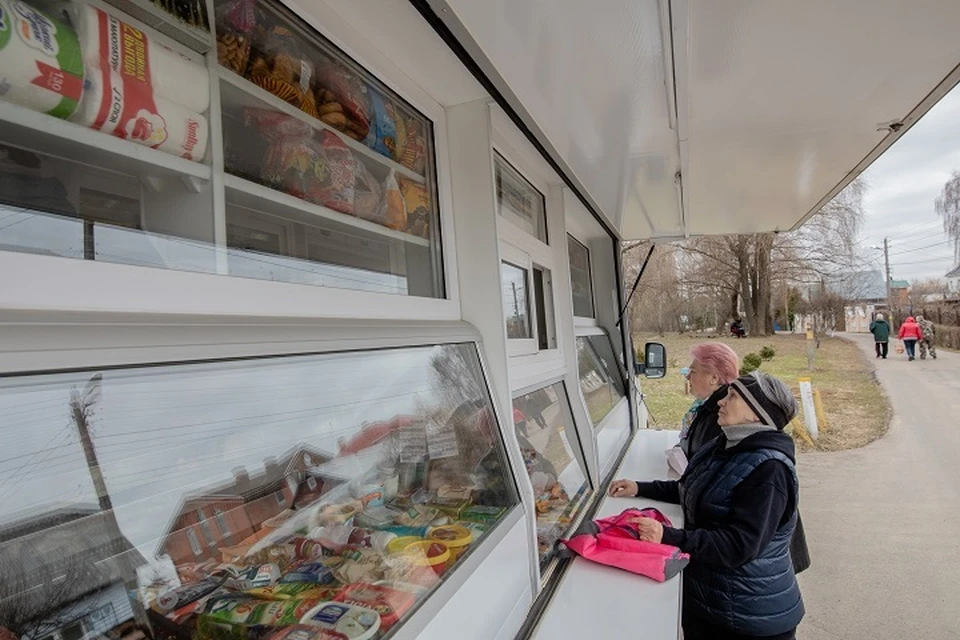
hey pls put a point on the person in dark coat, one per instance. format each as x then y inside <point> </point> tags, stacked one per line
<point>881,335</point>
<point>739,497</point>
<point>714,365</point>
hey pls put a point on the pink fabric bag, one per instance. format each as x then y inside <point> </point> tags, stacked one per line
<point>613,541</point>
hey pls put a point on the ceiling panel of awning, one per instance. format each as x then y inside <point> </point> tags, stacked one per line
<point>777,102</point>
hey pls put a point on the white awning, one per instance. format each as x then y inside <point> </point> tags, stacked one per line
<point>759,112</point>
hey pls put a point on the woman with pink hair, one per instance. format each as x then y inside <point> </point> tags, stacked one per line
<point>714,365</point>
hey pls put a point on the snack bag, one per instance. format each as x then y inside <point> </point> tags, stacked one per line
<point>339,190</point>
<point>236,20</point>
<point>294,162</point>
<point>368,195</point>
<point>416,203</point>
<point>351,92</point>
<point>412,153</point>
<point>382,137</point>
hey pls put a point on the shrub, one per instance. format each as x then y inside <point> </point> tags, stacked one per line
<point>945,336</point>
<point>751,362</point>
<point>767,353</point>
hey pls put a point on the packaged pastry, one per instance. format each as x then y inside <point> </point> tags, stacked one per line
<point>335,513</point>
<point>376,517</point>
<point>412,153</point>
<point>349,91</point>
<point>416,202</point>
<point>391,604</point>
<point>360,565</point>
<point>236,20</point>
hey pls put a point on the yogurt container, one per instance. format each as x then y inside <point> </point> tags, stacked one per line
<point>428,553</point>
<point>456,538</point>
<point>397,545</point>
<point>354,622</point>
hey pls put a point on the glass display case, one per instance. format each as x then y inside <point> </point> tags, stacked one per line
<point>554,460</point>
<point>110,147</point>
<point>600,379</point>
<point>297,496</point>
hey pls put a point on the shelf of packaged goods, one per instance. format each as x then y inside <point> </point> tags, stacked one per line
<point>237,91</point>
<point>258,198</point>
<point>44,134</point>
<point>150,14</point>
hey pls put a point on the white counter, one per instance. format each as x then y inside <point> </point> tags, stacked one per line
<point>594,601</point>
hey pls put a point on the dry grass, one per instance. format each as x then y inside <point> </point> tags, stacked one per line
<point>857,410</point>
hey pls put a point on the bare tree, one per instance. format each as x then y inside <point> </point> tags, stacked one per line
<point>947,206</point>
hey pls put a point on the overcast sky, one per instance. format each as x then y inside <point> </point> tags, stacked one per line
<point>903,184</point>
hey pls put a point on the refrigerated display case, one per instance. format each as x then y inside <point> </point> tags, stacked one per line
<point>237,499</point>
<point>555,464</point>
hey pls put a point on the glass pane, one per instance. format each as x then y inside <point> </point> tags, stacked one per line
<point>519,201</point>
<point>51,206</point>
<point>109,159</point>
<point>547,440</point>
<point>604,350</point>
<point>360,477</point>
<point>516,305</point>
<point>580,278</point>
<point>332,180</point>
<point>600,391</point>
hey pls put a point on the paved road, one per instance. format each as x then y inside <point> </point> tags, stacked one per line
<point>883,522</point>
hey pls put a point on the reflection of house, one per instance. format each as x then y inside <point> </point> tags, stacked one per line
<point>866,294</point>
<point>64,573</point>
<point>953,280</point>
<point>226,514</point>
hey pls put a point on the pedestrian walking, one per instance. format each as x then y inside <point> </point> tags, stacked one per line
<point>881,335</point>
<point>926,343</point>
<point>910,334</point>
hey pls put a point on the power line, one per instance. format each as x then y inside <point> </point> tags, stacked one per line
<point>929,246</point>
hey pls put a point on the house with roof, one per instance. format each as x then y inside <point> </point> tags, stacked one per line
<point>65,573</point>
<point>953,280</point>
<point>209,522</point>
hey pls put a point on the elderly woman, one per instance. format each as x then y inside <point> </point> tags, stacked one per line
<point>739,498</point>
<point>714,365</point>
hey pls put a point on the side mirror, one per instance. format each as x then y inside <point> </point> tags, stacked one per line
<point>654,363</point>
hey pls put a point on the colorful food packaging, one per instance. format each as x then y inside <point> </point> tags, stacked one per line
<point>383,129</point>
<point>394,214</point>
<point>341,167</point>
<point>316,573</point>
<point>416,202</point>
<point>246,610</point>
<point>391,604</point>
<point>41,67</point>
<point>349,91</point>
<point>482,514</point>
<point>294,591</point>
<point>428,553</point>
<point>457,539</point>
<point>236,20</point>
<point>179,597</point>
<point>354,622</point>
<point>367,195</point>
<point>413,152</point>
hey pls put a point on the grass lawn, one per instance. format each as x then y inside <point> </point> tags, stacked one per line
<point>857,410</point>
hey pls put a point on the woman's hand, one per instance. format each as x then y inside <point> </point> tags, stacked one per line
<point>648,529</point>
<point>623,488</point>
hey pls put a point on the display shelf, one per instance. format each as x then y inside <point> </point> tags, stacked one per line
<point>250,195</point>
<point>44,134</point>
<point>237,91</point>
<point>153,16</point>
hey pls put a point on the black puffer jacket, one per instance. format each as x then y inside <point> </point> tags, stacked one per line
<point>704,427</point>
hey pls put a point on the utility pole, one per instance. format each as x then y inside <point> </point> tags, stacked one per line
<point>886,262</point>
<point>81,408</point>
